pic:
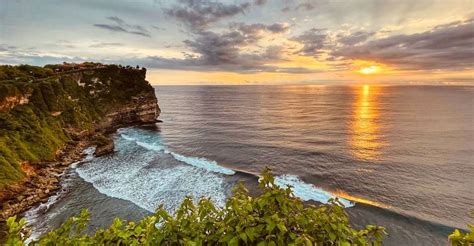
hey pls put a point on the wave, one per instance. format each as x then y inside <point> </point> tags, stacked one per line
<point>149,189</point>
<point>300,189</point>
<point>203,163</point>
<point>199,162</point>
<point>36,215</point>
<point>148,185</point>
<point>149,179</point>
<point>307,191</point>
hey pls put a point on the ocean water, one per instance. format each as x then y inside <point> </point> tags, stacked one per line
<point>397,156</point>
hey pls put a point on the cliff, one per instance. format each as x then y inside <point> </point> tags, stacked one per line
<point>44,110</point>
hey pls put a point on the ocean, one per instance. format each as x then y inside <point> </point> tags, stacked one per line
<point>397,156</point>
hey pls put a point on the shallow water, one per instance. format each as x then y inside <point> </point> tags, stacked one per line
<point>404,155</point>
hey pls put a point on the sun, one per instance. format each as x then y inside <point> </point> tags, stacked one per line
<point>370,70</point>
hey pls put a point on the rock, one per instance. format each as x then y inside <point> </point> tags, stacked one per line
<point>105,148</point>
<point>139,108</point>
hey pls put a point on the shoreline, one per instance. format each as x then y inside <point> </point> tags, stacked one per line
<point>45,181</point>
<point>40,183</point>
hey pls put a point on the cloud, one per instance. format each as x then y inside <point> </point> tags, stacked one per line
<point>228,51</point>
<point>215,49</point>
<point>25,57</point>
<point>286,9</point>
<point>313,40</point>
<point>120,25</point>
<point>199,14</point>
<point>197,64</point>
<point>260,2</point>
<point>158,28</point>
<point>105,44</point>
<point>258,30</point>
<point>228,47</point>
<point>6,48</point>
<point>278,27</point>
<point>355,38</point>
<point>448,46</point>
<point>305,6</point>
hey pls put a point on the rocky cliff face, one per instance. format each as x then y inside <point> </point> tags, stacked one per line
<point>44,109</point>
<point>48,115</point>
<point>141,109</point>
<point>13,101</point>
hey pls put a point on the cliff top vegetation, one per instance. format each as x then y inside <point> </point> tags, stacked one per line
<point>42,107</point>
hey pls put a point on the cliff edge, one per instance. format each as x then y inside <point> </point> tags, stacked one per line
<point>49,114</point>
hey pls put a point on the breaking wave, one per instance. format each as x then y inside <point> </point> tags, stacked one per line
<point>307,191</point>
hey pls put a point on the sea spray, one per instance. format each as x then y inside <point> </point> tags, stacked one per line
<point>307,191</point>
<point>142,173</point>
<point>153,142</point>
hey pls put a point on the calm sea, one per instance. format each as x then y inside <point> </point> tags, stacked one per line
<point>397,156</point>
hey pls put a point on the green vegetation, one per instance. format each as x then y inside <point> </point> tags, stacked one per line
<point>459,238</point>
<point>275,217</point>
<point>41,108</point>
<point>23,72</point>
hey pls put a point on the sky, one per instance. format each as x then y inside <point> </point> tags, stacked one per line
<point>250,41</point>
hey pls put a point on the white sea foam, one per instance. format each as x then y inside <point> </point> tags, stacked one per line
<point>34,215</point>
<point>150,178</point>
<point>89,153</point>
<point>150,146</point>
<point>146,173</point>
<point>203,163</point>
<point>307,191</point>
<point>126,137</point>
<point>148,188</point>
<point>152,143</point>
<point>31,217</point>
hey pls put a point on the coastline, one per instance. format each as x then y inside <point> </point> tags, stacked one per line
<point>44,182</point>
<point>40,183</point>
<point>82,107</point>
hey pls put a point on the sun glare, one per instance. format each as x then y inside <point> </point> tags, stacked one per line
<point>369,70</point>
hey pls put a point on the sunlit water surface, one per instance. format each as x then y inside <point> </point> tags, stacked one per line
<point>398,156</point>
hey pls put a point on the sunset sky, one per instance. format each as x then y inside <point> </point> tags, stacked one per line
<point>250,41</point>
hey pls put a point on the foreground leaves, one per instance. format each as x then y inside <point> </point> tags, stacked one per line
<point>275,217</point>
<point>459,238</point>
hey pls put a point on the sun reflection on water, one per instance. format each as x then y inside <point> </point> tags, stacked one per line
<point>342,194</point>
<point>365,134</point>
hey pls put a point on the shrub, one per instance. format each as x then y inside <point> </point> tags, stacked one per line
<point>459,238</point>
<point>275,217</point>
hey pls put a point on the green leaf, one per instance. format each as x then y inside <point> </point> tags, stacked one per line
<point>262,243</point>
<point>234,241</point>
<point>282,227</point>
<point>243,236</point>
